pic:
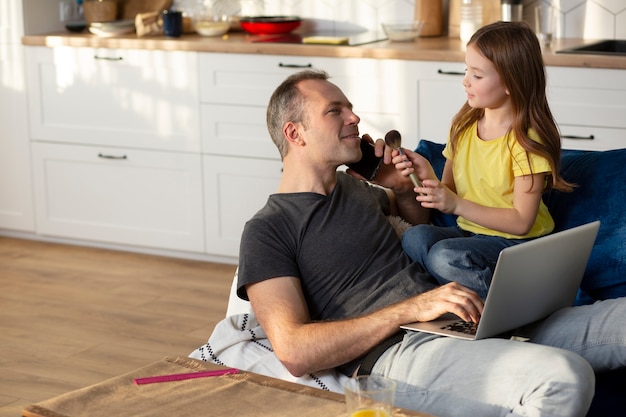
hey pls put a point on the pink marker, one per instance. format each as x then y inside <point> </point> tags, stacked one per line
<point>180,377</point>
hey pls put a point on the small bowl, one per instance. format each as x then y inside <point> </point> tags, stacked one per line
<point>269,25</point>
<point>403,31</point>
<point>209,25</point>
<point>76,27</point>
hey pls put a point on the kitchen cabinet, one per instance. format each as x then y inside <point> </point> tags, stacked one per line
<point>119,195</point>
<point>440,97</point>
<point>589,105</point>
<point>235,188</point>
<point>241,84</point>
<point>118,97</point>
<point>16,199</point>
<point>116,146</point>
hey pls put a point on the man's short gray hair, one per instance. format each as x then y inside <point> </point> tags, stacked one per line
<point>287,105</point>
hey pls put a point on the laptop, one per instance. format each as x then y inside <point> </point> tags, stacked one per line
<point>531,281</point>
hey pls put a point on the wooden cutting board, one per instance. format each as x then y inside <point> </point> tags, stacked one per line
<point>128,9</point>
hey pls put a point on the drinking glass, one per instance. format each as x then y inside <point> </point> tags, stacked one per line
<point>545,23</point>
<point>370,396</point>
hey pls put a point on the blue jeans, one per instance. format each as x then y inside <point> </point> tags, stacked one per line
<point>452,254</point>
<point>551,375</point>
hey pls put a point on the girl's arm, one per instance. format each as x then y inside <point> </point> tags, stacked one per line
<point>518,220</point>
<point>441,195</point>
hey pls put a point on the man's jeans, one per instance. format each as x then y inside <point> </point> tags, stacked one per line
<point>452,254</point>
<point>551,375</point>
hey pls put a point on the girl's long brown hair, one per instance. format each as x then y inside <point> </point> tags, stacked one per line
<point>514,50</point>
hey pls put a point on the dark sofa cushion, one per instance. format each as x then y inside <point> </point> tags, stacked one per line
<point>600,194</point>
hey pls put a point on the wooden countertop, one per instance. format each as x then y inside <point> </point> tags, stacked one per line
<point>424,49</point>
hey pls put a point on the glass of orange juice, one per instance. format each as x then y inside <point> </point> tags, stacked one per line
<point>370,396</point>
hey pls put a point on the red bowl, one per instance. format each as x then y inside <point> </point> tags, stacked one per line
<point>269,25</point>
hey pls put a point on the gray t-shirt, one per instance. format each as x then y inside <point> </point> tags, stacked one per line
<point>341,246</point>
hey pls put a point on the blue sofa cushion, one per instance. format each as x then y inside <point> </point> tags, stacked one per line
<point>600,194</point>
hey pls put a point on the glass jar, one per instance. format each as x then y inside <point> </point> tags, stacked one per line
<point>471,18</point>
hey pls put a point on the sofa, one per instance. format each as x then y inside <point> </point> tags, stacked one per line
<point>600,176</point>
<point>600,194</point>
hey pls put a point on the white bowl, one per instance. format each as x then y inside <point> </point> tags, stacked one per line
<point>403,31</point>
<point>211,25</point>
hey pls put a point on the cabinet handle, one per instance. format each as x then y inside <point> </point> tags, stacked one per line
<point>440,71</point>
<point>281,65</point>
<point>575,137</point>
<point>104,156</point>
<point>106,58</point>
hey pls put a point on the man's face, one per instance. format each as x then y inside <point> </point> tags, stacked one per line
<point>332,130</point>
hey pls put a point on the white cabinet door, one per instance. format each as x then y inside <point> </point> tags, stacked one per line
<point>441,96</point>
<point>589,105</point>
<point>378,89</point>
<point>591,138</point>
<point>116,195</point>
<point>16,197</point>
<point>236,130</point>
<point>115,97</point>
<point>235,189</point>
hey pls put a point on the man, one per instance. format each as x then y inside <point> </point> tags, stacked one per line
<point>328,282</point>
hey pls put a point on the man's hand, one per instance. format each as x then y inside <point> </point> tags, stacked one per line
<point>449,298</point>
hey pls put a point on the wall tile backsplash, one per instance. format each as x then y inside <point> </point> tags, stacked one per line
<point>589,19</point>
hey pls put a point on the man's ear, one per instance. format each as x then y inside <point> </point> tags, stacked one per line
<point>292,133</point>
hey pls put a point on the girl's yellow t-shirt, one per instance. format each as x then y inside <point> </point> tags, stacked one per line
<point>484,173</point>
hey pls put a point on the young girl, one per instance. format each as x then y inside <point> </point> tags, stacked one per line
<point>503,153</point>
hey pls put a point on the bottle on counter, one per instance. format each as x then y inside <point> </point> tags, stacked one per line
<point>511,10</point>
<point>471,18</point>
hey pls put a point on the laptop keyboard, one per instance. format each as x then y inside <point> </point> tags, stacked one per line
<point>462,327</point>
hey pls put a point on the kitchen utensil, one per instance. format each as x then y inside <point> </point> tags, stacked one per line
<point>403,31</point>
<point>393,139</point>
<point>100,10</point>
<point>131,8</point>
<point>430,11</point>
<point>512,10</point>
<point>269,25</point>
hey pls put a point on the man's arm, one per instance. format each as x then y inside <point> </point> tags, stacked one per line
<point>304,346</point>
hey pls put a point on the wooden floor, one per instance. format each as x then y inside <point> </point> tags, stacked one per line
<point>73,316</point>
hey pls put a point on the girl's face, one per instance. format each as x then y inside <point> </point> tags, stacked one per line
<point>483,85</point>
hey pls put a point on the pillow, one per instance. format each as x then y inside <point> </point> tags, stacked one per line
<point>600,195</point>
<point>432,152</point>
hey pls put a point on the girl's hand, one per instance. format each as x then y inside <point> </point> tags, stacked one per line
<point>410,162</point>
<point>436,195</point>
